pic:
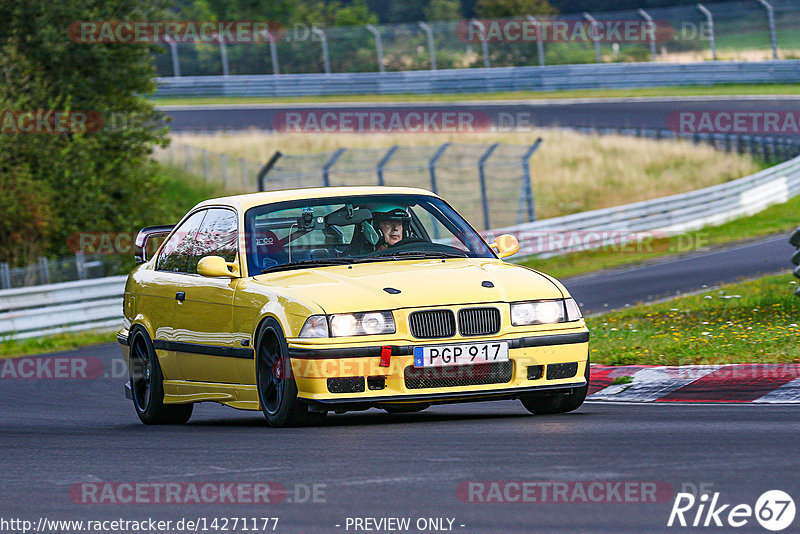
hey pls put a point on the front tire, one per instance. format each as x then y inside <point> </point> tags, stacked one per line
<point>558,403</point>
<point>147,386</point>
<point>277,390</point>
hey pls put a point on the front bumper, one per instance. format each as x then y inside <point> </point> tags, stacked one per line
<point>314,367</point>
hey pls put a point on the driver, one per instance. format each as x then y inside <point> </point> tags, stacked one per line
<point>392,225</point>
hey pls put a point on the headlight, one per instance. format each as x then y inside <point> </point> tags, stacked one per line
<point>362,324</point>
<point>349,324</point>
<point>544,312</point>
<point>315,326</point>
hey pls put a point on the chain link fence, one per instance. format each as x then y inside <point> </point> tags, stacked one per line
<point>744,30</point>
<point>53,271</point>
<point>490,184</point>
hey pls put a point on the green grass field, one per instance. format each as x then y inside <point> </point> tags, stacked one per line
<point>749,322</point>
<point>714,90</point>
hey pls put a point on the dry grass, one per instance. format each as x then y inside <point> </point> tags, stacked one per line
<point>571,172</point>
<point>696,56</point>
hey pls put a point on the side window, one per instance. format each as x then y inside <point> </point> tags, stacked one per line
<point>176,251</point>
<point>217,236</point>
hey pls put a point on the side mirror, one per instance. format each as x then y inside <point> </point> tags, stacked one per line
<point>505,245</point>
<point>143,238</point>
<point>217,267</point>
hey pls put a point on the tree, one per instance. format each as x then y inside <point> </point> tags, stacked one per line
<point>500,9</point>
<point>90,181</point>
<point>443,10</point>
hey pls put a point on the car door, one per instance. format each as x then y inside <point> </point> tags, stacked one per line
<point>157,290</point>
<point>207,348</point>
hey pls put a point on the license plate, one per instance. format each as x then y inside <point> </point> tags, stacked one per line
<point>462,354</point>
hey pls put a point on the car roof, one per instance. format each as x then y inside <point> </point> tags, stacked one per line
<point>244,202</point>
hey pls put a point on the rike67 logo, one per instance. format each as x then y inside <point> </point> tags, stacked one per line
<point>774,510</point>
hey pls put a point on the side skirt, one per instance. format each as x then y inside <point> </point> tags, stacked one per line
<point>239,396</point>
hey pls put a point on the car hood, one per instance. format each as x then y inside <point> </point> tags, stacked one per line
<point>361,287</point>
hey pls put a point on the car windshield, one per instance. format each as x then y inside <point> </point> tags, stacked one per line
<point>355,229</point>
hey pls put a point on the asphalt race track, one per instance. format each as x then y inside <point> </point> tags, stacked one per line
<point>58,434</point>
<point>601,113</point>
<point>618,288</point>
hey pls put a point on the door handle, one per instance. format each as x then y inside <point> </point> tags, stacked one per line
<point>180,296</point>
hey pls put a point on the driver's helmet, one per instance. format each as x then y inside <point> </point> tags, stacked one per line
<point>390,212</point>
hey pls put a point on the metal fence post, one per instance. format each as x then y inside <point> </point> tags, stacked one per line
<point>273,52</point>
<point>206,166</point>
<point>432,166</point>
<point>326,178</point>
<point>595,36</point>
<point>384,160</point>
<point>326,58</point>
<point>80,265</point>
<point>482,177</point>
<point>5,276</point>
<point>651,27</point>
<point>243,172</point>
<point>44,270</point>
<point>539,38</point>
<point>710,21</point>
<point>526,179</point>
<point>188,151</point>
<point>173,50</point>
<point>771,18</point>
<point>266,168</point>
<point>224,162</point>
<point>378,46</point>
<point>484,43</point>
<point>223,54</point>
<point>431,45</point>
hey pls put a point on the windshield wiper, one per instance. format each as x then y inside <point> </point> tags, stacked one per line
<point>413,254</point>
<point>322,262</point>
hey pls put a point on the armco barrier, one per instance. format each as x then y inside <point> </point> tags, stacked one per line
<point>556,77</point>
<point>97,304</point>
<point>56,308</point>
<point>673,214</point>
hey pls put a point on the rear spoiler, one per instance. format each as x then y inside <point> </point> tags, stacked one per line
<point>144,235</point>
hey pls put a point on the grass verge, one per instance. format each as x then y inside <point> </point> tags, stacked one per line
<point>749,322</point>
<point>691,90</point>
<point>56,343</point>
<point>773,220</point>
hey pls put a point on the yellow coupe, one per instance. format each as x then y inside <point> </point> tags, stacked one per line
<point>303,302</point>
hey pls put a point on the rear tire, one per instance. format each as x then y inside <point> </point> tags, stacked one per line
<point>558,403</point>
<point>277,390</point>
<point>147,385</point>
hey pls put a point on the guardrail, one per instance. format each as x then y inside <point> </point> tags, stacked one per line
<point>548,78</point>
<point>795,242</point>
<point>57,308</point>
<point>97,304</point>
<point>669,215</point>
